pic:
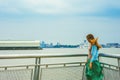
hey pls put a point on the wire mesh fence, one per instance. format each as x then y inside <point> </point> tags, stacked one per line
<point>21,74</point>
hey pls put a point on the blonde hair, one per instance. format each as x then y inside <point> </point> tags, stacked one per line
<point>93,40</point>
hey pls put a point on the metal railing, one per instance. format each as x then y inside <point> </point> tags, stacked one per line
<point>42,71</point>
<point>111,67</point>
<point>56,67</point>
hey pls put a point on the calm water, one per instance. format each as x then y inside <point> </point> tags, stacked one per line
<point>55,51</point>
<point>60,50</point>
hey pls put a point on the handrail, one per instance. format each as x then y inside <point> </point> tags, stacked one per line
<point>8,56</point>
<point>11,56</point>
<point>110,55</point>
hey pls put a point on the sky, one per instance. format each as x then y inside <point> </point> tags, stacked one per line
<point>63,21</point>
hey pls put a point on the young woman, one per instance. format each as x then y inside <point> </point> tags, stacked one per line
<point>93,67</point>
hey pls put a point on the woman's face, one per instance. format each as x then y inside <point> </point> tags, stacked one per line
<point>91,41</point>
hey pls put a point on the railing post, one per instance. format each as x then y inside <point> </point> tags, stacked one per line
<point>119,65</point>
<point>99,56</point>
<point>39,62</point>
<point>37,69</point>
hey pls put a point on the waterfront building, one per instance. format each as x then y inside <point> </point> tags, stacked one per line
<point>6,45</point>
<point>43,44</point>
<point>112,45</point>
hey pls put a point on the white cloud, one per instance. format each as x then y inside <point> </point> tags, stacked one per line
<point>46,6</point>
<point>56,6</point>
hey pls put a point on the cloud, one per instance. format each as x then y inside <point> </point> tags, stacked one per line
<point>46,6</point>
<point>82,7</point>
<point>34,6</point>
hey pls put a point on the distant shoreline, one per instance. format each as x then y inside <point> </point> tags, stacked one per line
<point>20,48</point>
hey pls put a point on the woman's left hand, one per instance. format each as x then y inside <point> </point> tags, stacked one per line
<point>90,65</point>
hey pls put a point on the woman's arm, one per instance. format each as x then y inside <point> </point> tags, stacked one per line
<point>89,52</point>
